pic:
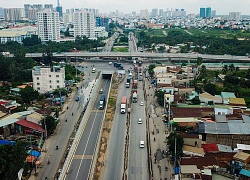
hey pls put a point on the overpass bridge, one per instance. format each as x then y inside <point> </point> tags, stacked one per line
<point>145,55</point>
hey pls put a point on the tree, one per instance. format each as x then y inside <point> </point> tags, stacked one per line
<point>196,100</point>
<point>28,94</point>
<point>160,97</point>
<point>161,49</point>
<point>12,159</point>
<point>210,88</point>
<point>50,124</point>
<point>225,69</point>
<point>199,61</point>
<point>179,144</point>
<point>151,69</point>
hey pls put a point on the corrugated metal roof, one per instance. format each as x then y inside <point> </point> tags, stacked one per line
<point>246,119</point>
<point>228,95</point>
<point>220,118</point>
<point>216,128</point>
<point>238,128</point>
<point>245,172</point>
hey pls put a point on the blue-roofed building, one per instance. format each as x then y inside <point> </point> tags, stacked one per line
<point>244,174</point>
<point>226,95</point>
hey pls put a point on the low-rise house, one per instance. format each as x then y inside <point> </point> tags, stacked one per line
<point>35,118</point>
<point>244,174</point>
<point>193,151</point>
<point>237,103</point>
<point>186,122</point>
<point>206,98</point>
<point>189,172</point>
<point>228,133</point>
<point>222,110</point>
<point>26,127</point>
<point>192,140</point>
<point>242,157</point>
<point>226,95</point>
<point>181,112</point>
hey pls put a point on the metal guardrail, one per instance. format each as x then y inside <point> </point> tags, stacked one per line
<point>80,131</point>
<point>93,163</point>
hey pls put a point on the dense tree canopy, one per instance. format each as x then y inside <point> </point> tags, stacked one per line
<point>179,144</point>
<point>12,159</point>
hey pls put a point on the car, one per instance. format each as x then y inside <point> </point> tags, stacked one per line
<point>139,121</point>
<point>110,63</point>
<point>140,78</point>
<point>142,144</point>
<point>101,91</point>
<point>141,104</point>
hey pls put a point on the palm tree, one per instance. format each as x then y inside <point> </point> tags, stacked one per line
<point>225,69</point>
<point>231,67</point>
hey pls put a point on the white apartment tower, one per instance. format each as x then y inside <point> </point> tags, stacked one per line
<point>84,23</point>
<point>48,25</point>
<point>47,78</point>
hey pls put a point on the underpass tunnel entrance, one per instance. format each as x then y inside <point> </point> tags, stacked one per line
<point>107,74</point>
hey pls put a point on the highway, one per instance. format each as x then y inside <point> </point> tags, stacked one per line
<point>138,159</point>
<point>163,56</point>
<point>116,143</point>
<point>64,129</point>
<point>81,164</point>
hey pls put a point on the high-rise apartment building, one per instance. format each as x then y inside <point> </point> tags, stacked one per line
<point>48,6</point>
<point>59,9</point>
<point>202,12</point>
<point>13,14</point>
<point>26,9</point>
<point>160,12</point>
<point>205,12</point>
<point>144,13</point>
<point>154,13</point>
<point>48,25</point>
<point>1,14</point>
<point>235,15</point>
<point>213,13</point>
<point>84,23</point>
<point>38,6</point>
<point>102,22</point>
<point>47,78</point>
<point>208,12</point>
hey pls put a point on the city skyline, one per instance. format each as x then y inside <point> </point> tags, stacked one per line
<point>222,7</point>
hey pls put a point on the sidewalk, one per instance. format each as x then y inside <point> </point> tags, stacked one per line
<point>159,132</point>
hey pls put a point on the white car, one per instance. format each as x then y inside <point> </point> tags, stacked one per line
<point>110,63</point>
<point>141,104</point>
<point>142,144</point>
<point>139,121</point>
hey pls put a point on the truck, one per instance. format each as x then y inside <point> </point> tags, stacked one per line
<point>135,68</point>
<point>123,105</point>
<point>135,83</point>
<point>102,102</point>
<point>134,97</point>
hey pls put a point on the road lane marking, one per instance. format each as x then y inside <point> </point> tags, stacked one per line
<point>82,157</point>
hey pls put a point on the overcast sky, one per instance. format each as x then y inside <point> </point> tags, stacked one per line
<point>127,6</point>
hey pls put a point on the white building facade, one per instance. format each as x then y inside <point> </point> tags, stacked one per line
<point>47,79</point>
<point>84,23</point>
<point>48,25</point>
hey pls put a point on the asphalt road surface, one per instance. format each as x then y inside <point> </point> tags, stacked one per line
<point>137,164</point>
<point>115,152</point>
<point>81,164</point>
<point>62,133</point>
